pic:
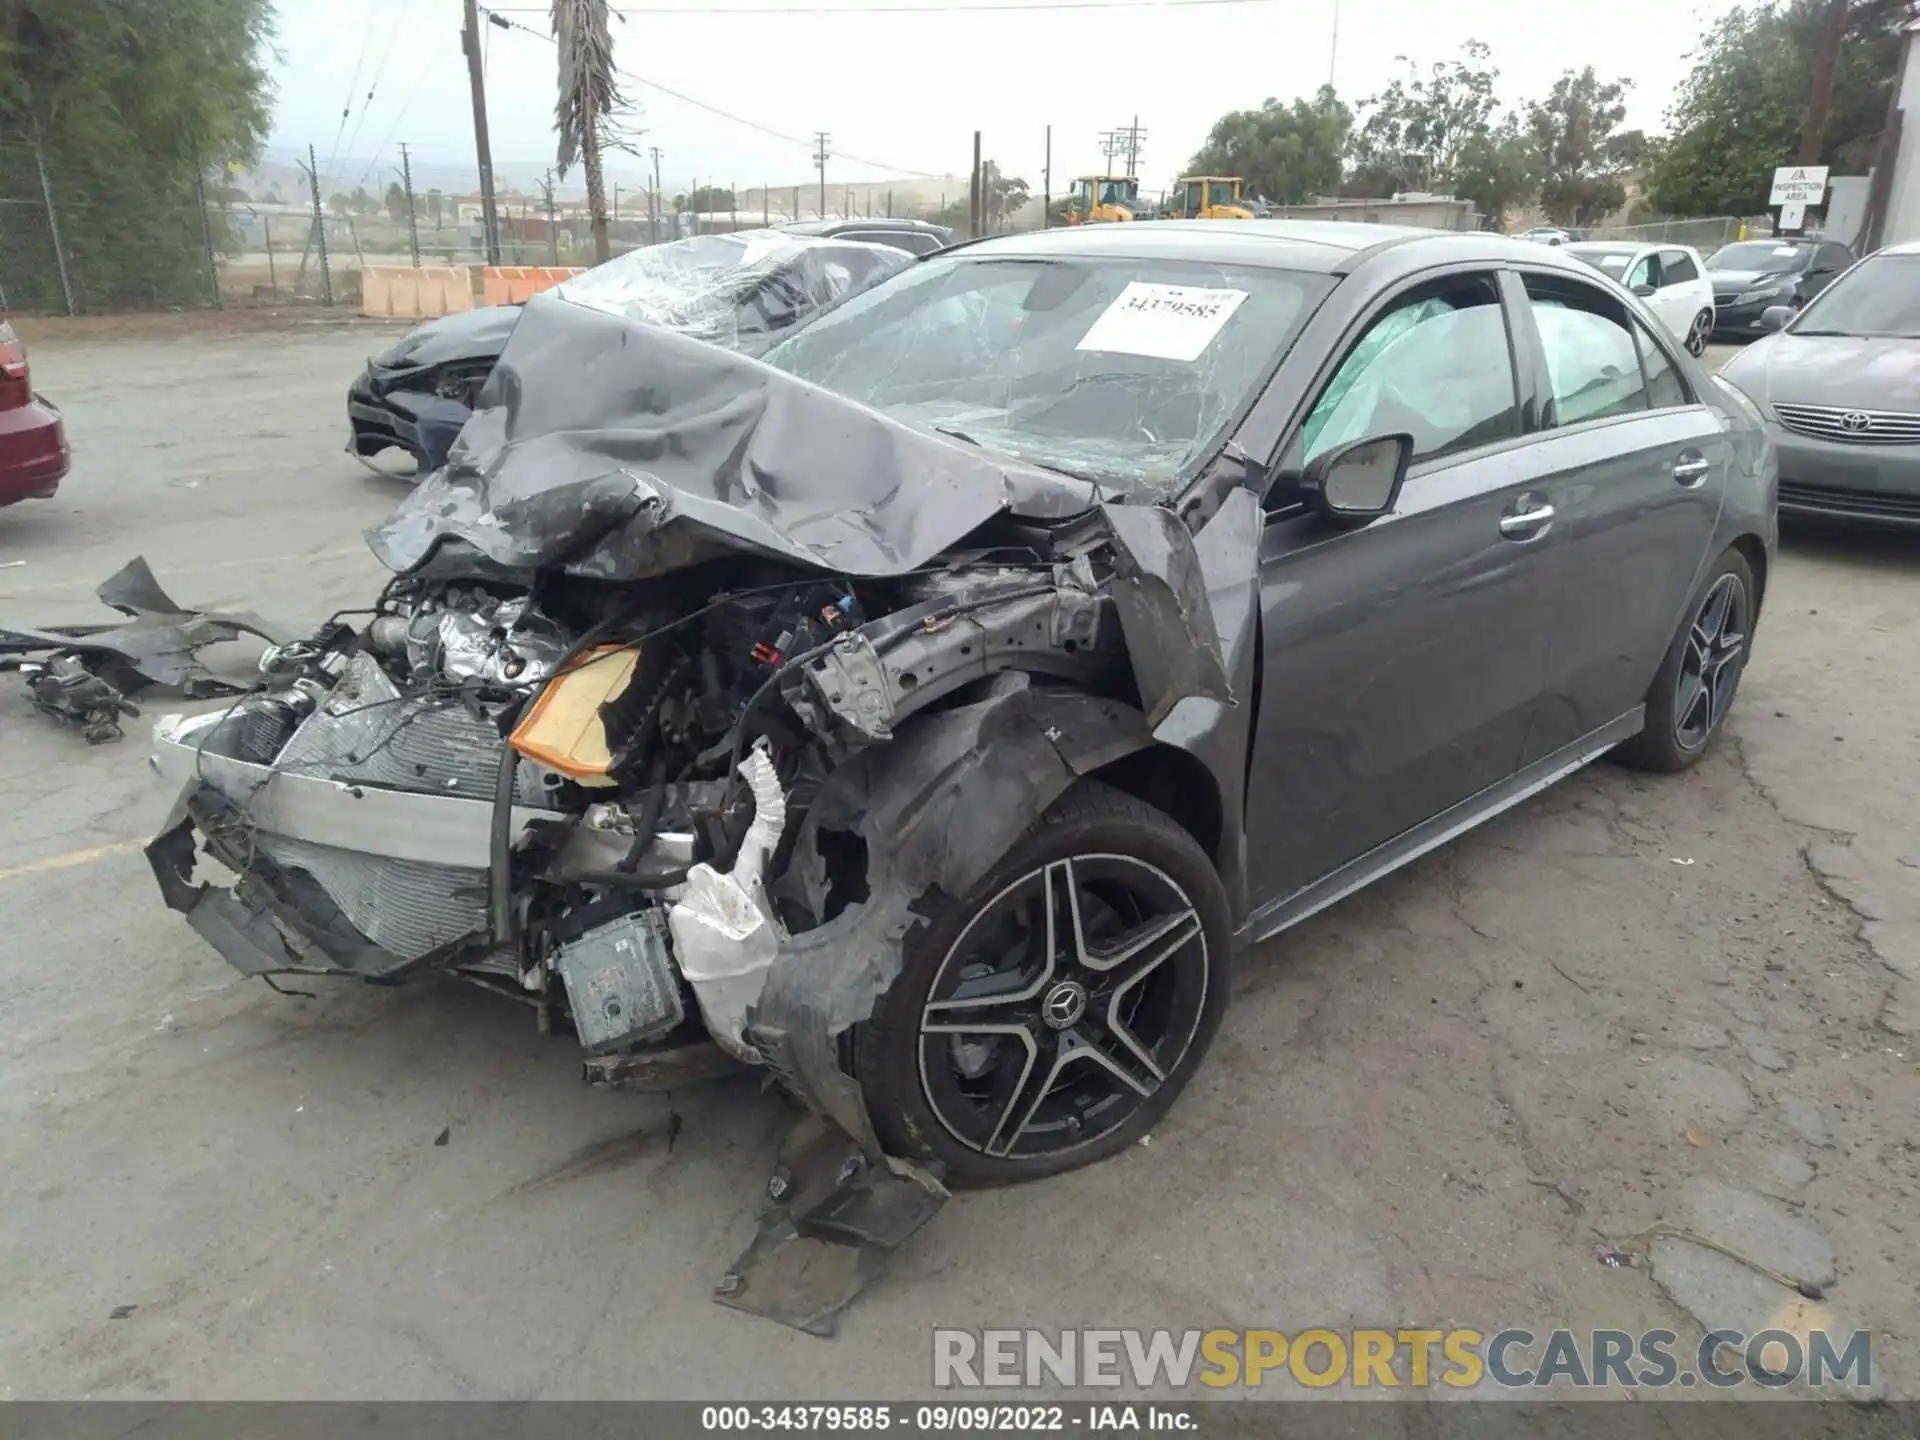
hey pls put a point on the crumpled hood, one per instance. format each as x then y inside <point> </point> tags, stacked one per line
<point>1845,370</point>
<point>619,452</point>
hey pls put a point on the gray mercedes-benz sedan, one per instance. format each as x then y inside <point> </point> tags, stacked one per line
<point>1839,385</point>
<point>1110,599</point>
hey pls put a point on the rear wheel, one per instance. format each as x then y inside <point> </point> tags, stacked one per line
<point>1054,1015</point>
<point>1699,333</point>
<point>1695,686</point>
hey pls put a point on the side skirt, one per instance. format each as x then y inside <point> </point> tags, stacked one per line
<point>1430,834</point>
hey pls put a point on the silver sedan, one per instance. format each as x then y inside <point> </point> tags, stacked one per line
<point>1839,386</point>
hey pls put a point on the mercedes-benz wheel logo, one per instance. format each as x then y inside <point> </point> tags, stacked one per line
<point>1856,420</point>
<point>1065,1003</point>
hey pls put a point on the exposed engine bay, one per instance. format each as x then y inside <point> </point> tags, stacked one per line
<point>628,746</point>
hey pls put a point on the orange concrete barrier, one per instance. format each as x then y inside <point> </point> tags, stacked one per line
<point>514,284</point>
<point>415,293</point>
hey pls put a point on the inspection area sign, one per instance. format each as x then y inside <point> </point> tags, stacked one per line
<point>1798,185</point>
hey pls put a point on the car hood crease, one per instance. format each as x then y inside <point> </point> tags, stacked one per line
<point>619,452</point>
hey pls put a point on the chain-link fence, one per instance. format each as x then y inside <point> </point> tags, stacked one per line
<point>73,241</point>
<point>1704,235</point>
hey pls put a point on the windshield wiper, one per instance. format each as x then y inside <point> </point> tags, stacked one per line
<point>958,435</point>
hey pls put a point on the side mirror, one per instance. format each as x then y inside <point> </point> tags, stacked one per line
<point>1356,483</point>
<point>1775,317</point>
<point>1644,289</point>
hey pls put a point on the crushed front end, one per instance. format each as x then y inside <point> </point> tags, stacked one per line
<point>681,755</point>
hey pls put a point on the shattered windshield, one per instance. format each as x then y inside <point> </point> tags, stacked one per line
<point>727,289</point>
<point>1123,371</point>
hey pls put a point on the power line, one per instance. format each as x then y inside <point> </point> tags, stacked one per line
<point>807,144</point>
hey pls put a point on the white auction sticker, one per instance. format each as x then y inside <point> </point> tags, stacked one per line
<point>1168,322</point>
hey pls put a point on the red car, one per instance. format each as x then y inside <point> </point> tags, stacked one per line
<point>33,446</point>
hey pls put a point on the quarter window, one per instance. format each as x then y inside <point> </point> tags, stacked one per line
<point>1592,358</point>
<point>1665,388</point>
<point>1437,366</point>
<point>1677,267</point>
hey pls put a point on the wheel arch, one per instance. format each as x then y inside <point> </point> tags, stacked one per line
<point>1176,782</point>
<point>1754,551</point>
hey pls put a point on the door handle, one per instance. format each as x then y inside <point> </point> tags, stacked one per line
<point>1691,468</point>
<point>1525,524</point>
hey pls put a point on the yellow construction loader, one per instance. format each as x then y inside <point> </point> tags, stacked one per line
<point>1105,198</point>
<point>1211,197</point>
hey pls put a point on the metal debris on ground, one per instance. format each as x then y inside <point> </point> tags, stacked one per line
<point>86,675</point>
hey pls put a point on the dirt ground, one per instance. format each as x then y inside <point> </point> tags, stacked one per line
<point>1631,1000</point>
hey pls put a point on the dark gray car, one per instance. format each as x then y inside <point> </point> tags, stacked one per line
<point>1078,609</point>
<point>1839,385</point>
<point>1749,276</point>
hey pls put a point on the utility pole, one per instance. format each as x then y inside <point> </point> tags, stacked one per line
<point>653,210</point>
<point>796,202</point>
<point>616,202</point>
<point>1825,60</point>
<point>319,231</point>
<point>406,183</point>
<point>820,153</point>
<point>476,79</point>
<point>553,224</point>
<point>766,206</point>
<point>1333,48</point>
<point>1134,135</point>
<point>1046,184</point>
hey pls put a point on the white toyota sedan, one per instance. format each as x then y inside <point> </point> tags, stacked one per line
<point>1672,279</point>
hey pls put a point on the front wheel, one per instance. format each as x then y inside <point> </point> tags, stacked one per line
<point>1699,333</point>
<point>1053,1016</point>
<point>1697,680</point>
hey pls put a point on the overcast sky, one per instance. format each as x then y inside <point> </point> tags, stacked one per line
<point>904,83</point>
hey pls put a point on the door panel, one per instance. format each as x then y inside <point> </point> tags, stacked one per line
<point>1402,665</point>
<point>1635,471</point>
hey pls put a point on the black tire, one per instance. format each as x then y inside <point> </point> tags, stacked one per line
<point>1674,737</point>
<point>1101,841</point>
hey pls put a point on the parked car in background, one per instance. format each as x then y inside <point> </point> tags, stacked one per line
<point>1839,387</point>
<point>1670,278</point>
<point>744,291</point>
<point>1749,276</point>
<point>33,443</point>
<point>917,237</point>
<point>1547,235</point>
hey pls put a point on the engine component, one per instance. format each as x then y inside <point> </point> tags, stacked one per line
<point>600,850</point>
<point>852,685</point>
<point>724,935</point>
<point>65,688</point>
<point>620,983</point>
<point>477,637</point>
<point>563,728</point>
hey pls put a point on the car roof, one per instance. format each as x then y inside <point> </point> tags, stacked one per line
<point>1325,246</point>
<point>1904,247</point>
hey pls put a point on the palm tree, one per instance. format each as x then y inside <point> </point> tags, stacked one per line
<point>588,96</point>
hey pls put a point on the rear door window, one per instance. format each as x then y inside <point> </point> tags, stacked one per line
<point>1593,358</point>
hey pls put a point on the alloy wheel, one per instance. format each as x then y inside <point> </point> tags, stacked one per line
<point>1067,1001</point>
<point>1699,334</point>
<point>1710,666</point>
